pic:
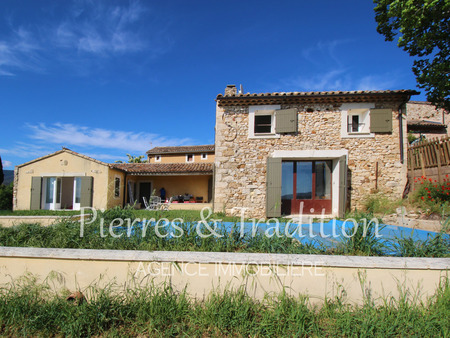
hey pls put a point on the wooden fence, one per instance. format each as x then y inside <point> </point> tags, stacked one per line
<point>430,158</point>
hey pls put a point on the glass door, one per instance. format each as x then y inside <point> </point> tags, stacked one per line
<point>307,184</point>
<point>52,193</point>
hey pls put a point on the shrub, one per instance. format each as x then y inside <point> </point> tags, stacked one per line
<point>6,197</point>
<point>431,191</point>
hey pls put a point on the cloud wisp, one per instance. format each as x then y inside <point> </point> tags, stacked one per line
<point>83,34</point>
<point>81,136</point>
<point>330,72</point>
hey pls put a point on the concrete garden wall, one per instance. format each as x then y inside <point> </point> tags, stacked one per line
<point>318,276</point>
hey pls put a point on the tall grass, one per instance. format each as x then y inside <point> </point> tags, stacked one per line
<point>66,234</point>
<point>29,309</point>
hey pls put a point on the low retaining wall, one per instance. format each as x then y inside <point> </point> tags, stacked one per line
<point>9,221</point>
<point>318,276</point>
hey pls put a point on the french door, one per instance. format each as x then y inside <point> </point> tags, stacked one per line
<point>307,184</point>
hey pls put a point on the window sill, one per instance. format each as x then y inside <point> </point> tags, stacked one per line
<point>264,136</point>
<point>358,135</point>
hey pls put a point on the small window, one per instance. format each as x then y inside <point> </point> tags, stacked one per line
<point>117,187</point>
<point>354,126</point>
<point>189,158</point>
<point>157,158</point>
<point>204,156</point>
<point>263,124</point>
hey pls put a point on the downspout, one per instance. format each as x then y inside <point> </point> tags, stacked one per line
<point>400,122</point>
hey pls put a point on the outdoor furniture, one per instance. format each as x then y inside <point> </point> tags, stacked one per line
<point>154,202</point>
<point>165,206</point>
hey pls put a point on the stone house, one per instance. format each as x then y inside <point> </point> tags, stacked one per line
<point>308,152</point>
<point>424,119</point>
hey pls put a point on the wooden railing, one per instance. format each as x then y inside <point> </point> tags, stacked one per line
<point>432,153</point>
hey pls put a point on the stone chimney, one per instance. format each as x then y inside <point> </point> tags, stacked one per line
<point>230,90</point>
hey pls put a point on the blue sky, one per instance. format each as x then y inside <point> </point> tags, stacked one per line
<point>107,78</point>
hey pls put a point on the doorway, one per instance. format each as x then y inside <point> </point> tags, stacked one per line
<point>145,190</point>
<point>307,184</point>
<point>61,193</point>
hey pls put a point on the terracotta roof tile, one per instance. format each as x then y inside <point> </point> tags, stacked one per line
<point>425,123</point>
<point>181,149</point>
<point>164,168</point>
<point>318,96</point>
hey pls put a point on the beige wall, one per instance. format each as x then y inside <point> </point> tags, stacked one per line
<point>196,185</point>
<point>177,158</point>
<point>240,161</point>
<point>350,278</point>
<point>66,164</point>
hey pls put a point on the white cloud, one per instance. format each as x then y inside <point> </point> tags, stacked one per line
<point>19,52</point>
<point>98,28</point>
<point>81,34</point>
<point>25,150</point>
<point>70,134</point>
<point>7,164</point>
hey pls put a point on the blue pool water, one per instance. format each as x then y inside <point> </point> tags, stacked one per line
<point>327,234</point>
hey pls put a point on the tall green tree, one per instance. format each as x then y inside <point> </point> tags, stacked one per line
<point>2,175</point>
<point>134,159</point>
<point>423,30</point>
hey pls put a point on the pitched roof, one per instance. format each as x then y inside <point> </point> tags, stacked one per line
<point>181,149</point>
<point>231,99</point>
<point>164,168</point>
<point>63,150</point>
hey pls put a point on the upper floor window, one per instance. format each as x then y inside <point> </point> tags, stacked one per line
<point>189,158</point>
<point>261,121</point>
<point>204,156</point>
<point>363,120</point>
<point>358,121</point>
<point>157,158</point>
<point>263,124</point>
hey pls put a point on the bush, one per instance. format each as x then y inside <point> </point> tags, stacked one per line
<point>6,197</point>
<point>432,192</point>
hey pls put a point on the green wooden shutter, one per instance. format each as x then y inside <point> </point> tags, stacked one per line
<point>36,187</point>
<point>380,120</point>
<point>286,121</point>
<point>342,185</point>
<point>86,191</point>
<point>273,184</point>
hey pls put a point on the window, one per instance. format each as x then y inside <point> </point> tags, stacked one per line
<point>353,124</point>
<point>189,158</point>
<point>117,187</point>
<point>261,121</point>
<point>157,158</point>
<point>356,120</point>
<point>204,156</point>
<point>263,124</point>
<point>77,189</point>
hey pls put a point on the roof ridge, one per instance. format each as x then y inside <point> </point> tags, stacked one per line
<point>63,150</point>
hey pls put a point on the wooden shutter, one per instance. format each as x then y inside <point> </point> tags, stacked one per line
<point>380,120</point>
<point>86,191</point>
<point>342,185</point>
<point>36,187</point>
<point>286,121</point>
<point>273,185</point>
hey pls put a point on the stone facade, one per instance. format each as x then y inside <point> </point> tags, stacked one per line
<point>374,162</point>
<point>423,112</point>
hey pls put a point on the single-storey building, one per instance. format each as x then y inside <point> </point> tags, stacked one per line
<point>69,180</point>
<point>308,152</point>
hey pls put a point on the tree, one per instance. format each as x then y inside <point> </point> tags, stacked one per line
<point>134,159</point>
<point>2,176</point>
<point>423,27</point>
